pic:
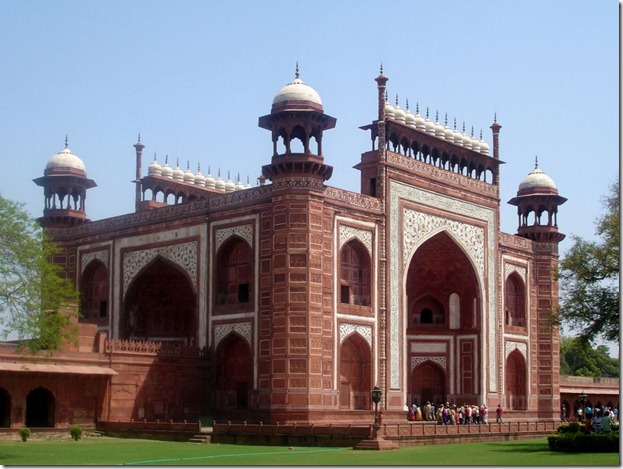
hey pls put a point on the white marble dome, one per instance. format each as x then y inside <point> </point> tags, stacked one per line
<point>537,179</point>
<point>65,160</point>
<point>297,90</point>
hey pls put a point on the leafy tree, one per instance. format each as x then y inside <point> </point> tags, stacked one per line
<point>578,358</point>
<point>589,277</point>
<point>32,289</point>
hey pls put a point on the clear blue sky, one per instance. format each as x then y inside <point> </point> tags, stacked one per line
<point>194,76</point>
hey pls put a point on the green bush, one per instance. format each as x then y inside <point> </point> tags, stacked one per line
<point>76,432</point>
<point>24,433</point>
<point>578,442</point>
<point>573,427</point>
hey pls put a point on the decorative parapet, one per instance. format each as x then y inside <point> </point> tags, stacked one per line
<point>148,347</point>
<point>515,241</point>
<point>450,177</point>
<point>353,198</point>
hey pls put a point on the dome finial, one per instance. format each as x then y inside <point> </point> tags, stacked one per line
<point>187,165</point>
<point>436,116</point>
<point>166,159</point>
<point>381,68</point>
<point>297,74</point>
<point>396,99</point>
<point>66,144</point>
<point>536,162</point>
<point>495,117</point>
<point>417,107</point>
<point>154,156</point>
<point>446,120</point>
<point>472,134</point>
<point>139,137</point>
<point>455,123</point>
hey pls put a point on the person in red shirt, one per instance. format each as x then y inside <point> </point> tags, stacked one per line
<point>498,414</point>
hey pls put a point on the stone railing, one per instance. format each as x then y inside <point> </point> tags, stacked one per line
<point>153,347</point>
<point>305,429</point>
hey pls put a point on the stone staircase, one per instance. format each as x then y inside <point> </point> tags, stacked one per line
<point>205,436</point>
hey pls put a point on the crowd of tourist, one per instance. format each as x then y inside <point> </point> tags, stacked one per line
<point>451,414</point>
<point>598,419</point>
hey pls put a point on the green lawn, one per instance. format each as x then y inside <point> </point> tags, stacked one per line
<point>120,451</point>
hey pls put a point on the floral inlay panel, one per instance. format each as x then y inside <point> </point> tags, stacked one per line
<point>184,255</point>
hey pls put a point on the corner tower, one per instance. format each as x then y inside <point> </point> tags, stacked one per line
<point>295,366</point>
<point>537,196</point>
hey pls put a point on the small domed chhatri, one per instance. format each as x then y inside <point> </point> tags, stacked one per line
<point>296,95</point>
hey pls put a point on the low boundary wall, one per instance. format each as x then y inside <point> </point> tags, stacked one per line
<point>409,434</point>
<point>171,431</point>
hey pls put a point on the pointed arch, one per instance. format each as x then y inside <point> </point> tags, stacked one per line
<point>514,301</point>
<point>438,269</point>
<point>428,383</point>
<point>234,373</point>
<point>161,304</point>
<point>94,291</point>
<point>40,408</point>
<point>355,370</point>
<point>234,276</point>
<point>516,381</point>
<point>355,274</point>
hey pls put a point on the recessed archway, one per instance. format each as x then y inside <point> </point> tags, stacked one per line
<point>160,305</point>
<point>234,373</point>
<point>94,292</point>
<point>5,408</point>
<point>515,380</point>
<point>428,384</point>
<point>40,408</point>
<point>442,307</point>
<point>355,373</point>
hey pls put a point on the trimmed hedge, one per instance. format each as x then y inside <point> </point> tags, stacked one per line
<point>572,439</point>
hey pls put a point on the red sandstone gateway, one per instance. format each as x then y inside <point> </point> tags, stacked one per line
<point>290,300</point>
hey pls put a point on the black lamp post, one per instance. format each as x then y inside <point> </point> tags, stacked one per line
<point>582,397</point>
<point>376,398</point>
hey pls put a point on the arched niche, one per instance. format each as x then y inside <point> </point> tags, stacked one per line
<point>94,292</point>
<point>40,408</point>
<point>355,373</point>
<point>234,373</point>
<point>160,305</point>
<point>354,271</point>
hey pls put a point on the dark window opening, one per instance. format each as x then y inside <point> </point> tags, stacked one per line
<point>426,317</point>
<point>345,294</point>
<point>243,293</point>
<point>373,187</point>
<point>103,308</point>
